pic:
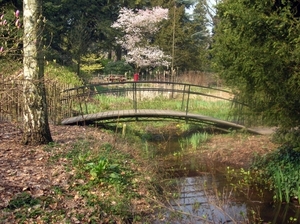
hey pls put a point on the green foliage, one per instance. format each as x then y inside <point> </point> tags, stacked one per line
<point>117,68</point>
<point>101,168</point>
<point>290,137</point>
<point>22,199</point>
<point>104,102</point>
<point>10,67</point>
<point>62,74</point>
<point>98,168</point>
<point>256,51</point>
<point>279,171</point>
<point>191,36</point>
<point>197,138</point>
<point>75,28</point>
<point>91,63</point>
<point>240,180</point>
<point>218,109</point>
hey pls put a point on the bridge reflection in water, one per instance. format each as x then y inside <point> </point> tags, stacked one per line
<point>84,94</point>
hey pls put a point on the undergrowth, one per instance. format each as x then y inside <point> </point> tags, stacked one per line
<point>279,171</point>
<point>95,183</point>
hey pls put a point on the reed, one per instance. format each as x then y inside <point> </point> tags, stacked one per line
<point>197,138</point>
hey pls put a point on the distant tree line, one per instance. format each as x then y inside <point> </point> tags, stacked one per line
<point>76,29</point>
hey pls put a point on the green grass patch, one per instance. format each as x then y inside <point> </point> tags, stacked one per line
<point>216,109</point>
<point>23,199</point>
<point>194,142</point>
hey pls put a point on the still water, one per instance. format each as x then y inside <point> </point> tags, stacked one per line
<point>203,194</point>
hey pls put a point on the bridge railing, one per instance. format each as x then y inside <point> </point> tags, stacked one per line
<point>75,100</point>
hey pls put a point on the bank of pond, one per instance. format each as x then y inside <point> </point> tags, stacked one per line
<point>198,190</point>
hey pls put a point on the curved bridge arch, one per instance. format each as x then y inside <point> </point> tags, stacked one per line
<point>135,115</point>
<point>82,94</point>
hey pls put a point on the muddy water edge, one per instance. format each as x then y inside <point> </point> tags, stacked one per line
<point>200,189</point>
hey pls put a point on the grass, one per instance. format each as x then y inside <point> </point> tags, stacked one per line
<point>216,109</point>
<point>108,102</point>
<point>197,138</point>
<point>118,98</point>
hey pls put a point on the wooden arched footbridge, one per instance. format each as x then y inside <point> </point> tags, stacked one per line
<point>80,96</point>
<point>138,115</point>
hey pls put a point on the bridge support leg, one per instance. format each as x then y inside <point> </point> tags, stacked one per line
<point>186,120</point>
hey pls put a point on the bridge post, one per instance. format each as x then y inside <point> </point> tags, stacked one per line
<point>187,105</point>
<point>187,102</point>
<point>182,101</point>
<point>134,96</point>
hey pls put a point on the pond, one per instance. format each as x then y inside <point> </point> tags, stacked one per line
<point>202,193</point>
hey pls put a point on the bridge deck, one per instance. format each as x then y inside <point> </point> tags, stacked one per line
<point>121,114</point>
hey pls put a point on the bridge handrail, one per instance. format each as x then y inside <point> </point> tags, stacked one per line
<point>137,88</point>
<point>82,94</point>
<point>146,82</point>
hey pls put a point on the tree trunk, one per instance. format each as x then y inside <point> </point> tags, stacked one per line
<point>36,127</point>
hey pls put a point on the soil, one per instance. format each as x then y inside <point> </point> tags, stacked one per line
<point>25,168</point>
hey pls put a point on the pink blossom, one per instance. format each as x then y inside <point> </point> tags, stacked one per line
<point>1,49</point>
<point>17,23</point>
<point>17,13</point>
<point>139,27</point>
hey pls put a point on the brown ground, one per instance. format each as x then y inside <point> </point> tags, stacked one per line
<point>239,149</point>
<point>25,168</point>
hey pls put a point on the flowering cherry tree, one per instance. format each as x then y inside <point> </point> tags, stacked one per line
<point>139,28</point>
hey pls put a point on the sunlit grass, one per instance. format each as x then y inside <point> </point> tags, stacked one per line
<point>217,108</point>
<point>108,102</point>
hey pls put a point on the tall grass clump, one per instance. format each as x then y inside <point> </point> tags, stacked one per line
<point>279,171</point>
<point>197,138</point>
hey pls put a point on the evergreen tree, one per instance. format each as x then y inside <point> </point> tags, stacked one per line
<point>184,36</point>
<point>256,51</point>
<point>77,27</point>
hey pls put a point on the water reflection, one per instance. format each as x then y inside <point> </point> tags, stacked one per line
<point>200,203</point>
<point>203,195</point>
<point>209,198</point>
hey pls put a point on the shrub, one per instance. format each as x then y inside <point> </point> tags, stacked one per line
<point>280,172</point>
<point>117,68</point>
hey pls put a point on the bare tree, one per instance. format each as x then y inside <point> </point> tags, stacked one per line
<point>36,127</point>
